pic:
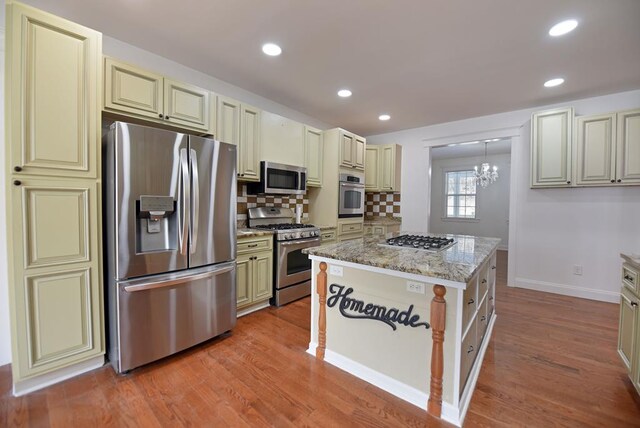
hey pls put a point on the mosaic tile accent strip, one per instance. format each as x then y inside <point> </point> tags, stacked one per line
<point>382,204</point>
<point>246,201</point>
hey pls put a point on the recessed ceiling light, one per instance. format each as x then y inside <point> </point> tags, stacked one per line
<point>553,82</point>
<point>344,93</point>
<point>271,49</point>
<point>384,117</point>
<point>563,27</point>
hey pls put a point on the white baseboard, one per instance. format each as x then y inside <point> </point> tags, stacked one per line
<point>569,290</point>
<point>42,381</point>
<point>253,308</point>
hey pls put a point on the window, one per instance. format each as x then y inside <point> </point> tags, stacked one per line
<point>460,188</point>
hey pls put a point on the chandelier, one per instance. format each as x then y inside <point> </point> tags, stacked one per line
<point>486,174</point>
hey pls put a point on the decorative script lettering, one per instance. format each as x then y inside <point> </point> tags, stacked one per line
<point>353,308</point>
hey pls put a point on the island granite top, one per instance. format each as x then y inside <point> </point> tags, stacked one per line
<point>457,264</point>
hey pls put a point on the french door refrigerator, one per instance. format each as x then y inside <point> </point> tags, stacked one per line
<point>170,224</point>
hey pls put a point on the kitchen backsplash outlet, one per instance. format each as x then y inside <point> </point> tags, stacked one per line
<point>383,204</point>
<point>283,201</point>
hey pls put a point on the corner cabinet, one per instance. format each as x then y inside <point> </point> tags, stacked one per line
<point>608,149</point>
<point>352,150</point>
<point>131,91</point>
<point>241,124</point>
<point>254,273</point>
<point>629,328</point>
<point>551,136</point>
<point>53,195</point>
<point>313,155</point>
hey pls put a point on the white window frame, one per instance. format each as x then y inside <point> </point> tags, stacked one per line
<point>445,217</point>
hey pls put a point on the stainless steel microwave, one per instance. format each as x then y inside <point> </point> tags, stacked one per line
<point>351,196</point>
<point>282,179</point>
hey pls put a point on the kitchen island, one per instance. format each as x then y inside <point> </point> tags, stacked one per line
<point>415,323</point>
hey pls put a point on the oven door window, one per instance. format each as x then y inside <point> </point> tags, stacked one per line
<point>297,262</point>
<point>282,179</point>
<point>352,199</point>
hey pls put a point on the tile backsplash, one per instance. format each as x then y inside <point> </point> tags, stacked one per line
<point>283,201</point>
<point>382,204</point>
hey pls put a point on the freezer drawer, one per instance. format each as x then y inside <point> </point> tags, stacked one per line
<point>164,314</point>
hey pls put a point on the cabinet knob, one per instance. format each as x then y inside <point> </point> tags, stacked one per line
<point>470,301</point>
<point>493,267</point>
<point>166,117</point>
<point>634,304</point>
<point>613,181</point>
<point>17,182</point>
<point>17,168</point>
<point>484,281</point>
<point>569,182</point>
<point>470,349</point>
<point>160,115</point>
<point>483,318</point>
<point>619,181</point>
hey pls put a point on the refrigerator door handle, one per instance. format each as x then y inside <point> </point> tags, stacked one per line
<point>186,201</point>
<point>178,279</point>
<point>195,208</point>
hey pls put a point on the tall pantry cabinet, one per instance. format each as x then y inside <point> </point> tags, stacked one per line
<point>53,88</point>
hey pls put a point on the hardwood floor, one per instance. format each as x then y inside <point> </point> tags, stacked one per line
<point>552,361</point>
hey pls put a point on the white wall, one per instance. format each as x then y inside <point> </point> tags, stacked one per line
<point>550,229</point>
<point>492,202</point>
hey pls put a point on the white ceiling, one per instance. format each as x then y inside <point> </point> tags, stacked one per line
<point>421,61</point>
<point>471,150</point>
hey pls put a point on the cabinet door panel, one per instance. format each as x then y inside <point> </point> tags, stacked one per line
<point>186,105</point>
<point>243,280</point>
<point>595,157</point>
<point>551,148</point>
<point>131,90</point>
<point>371,171</point>
<point>359,153</point>
<point>346,150</point>
<point>627,330</point>
<point>251,123</point>
<point>628,156</point>
<point>262,287</point>
<point>387,166</point>
<point>53,94</point>
<point>314,156</point>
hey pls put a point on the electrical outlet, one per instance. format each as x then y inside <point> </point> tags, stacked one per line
<point>577,269</point>
<point>335,270</point>
<point>415,287</point>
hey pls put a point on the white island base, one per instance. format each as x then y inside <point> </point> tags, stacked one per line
<point>379,327</point>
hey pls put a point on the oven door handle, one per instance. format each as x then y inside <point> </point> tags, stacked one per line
<point>357,186</point>
<point>298,242</point>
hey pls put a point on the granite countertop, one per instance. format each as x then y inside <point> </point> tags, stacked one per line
<point>632,259</point>
<point>457,264</point>
<point>382,221</point>
<point>249,233</point>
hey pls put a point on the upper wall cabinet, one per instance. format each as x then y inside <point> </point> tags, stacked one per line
<point>241,124</point>
<point>608,149</point>
<point>551,148</point>
<point>352,150</point>
<point>131,91</point>
<point>314,155</point>
<point>383,170</point>
<point>282,140</point>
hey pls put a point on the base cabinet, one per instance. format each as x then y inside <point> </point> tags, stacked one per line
<point>381,230</point>
<point>629,327</point>
<point>327,236</point>
<point>254,272</point>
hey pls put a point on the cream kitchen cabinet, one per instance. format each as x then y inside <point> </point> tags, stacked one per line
<point>53,196</point>
<point>313,155</point>
<point>241,124</point>
<point>282,140</point>
<point>254,281</point>
<point>383,171</point>
<point>327,236</point>
<point>629,327</point>
<point>380,229</point>
<point>352,150</point>
<point>551,136</point>
<point>606,155</point>
<point>135,92</point>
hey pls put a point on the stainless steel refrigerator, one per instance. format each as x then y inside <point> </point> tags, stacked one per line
<point>170,228</point>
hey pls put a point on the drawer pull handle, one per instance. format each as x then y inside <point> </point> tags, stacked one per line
<point>484,281</point>
<point>628,278</point>
<point>470,301</point>
<point>493,267</point>
<point>17,168</point>
<point>634,304</point>
<point>252,245</point>
<point>470,349</point>
<point>17,182</point>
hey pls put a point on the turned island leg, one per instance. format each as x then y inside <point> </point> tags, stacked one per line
<point>322,310</point>
<point>438,315</point>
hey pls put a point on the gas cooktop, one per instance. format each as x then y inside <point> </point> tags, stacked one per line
<point>281,221</point>
<point>420,242</point>
<point>283,226</point>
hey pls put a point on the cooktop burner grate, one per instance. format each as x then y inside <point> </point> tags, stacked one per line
<point>420,242</point>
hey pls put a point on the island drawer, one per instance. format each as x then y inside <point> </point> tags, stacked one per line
<point>469,302</point>
<point>469,351</point>
<point>249,245</point>
<point>630,278</point>
<point>483,319</point>
<point>328,235</point>
<point>345,228</point>
<point>483,281</point>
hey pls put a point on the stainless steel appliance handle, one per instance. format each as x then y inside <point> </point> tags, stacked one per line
<point>298,242</point>
<point>357,186</point>
<point>186,201</point>
<point>195,207</point>
<point>177,280</point>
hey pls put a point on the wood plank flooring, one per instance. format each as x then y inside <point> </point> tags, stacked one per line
<point>551,362</point>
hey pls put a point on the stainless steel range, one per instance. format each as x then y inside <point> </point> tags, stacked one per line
<point>292,269</point>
